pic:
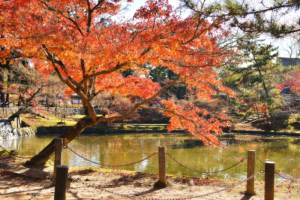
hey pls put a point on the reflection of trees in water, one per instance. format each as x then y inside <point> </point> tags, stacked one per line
<point>296,141</point>
<point>296,172</point>
<point>186,144</point>
<point>277,144</point>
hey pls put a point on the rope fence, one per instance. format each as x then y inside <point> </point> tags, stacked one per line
<point>12,154</point>
<point>262,162</point>
<point>286,176</point>
<point>106,165</point>
<point>35,177</point>
<point>17,156</point>
<point>269,173</point>
<point>183,198</point>
<point>242,160</point>
<point>40,190</point>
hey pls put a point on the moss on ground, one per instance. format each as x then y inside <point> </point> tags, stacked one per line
<point>38,121</point>
<point>50,121</point>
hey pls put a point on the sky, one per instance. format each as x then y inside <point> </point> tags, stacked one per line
<point>175,3</point>
<point>139,3</point>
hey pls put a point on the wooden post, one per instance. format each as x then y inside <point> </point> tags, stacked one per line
<point>58,152</point>
<point>13,152</point>
<point>269,180</point>
<point>7,99</point>
<point>2,100</point>
<point>162,165</point>
<point>18,122</point>
<point>250,172</point>
<point>61,183</point>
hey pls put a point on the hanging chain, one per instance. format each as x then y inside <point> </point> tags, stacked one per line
<point>40,190</point>
<point>183,198</point>
<point>205,172</point>
<point>12,153</point>
<point>235,158</point>
<point>97,163</point>
<point>35,194</point>
<point>288,177</point>
<point>22,156</point>
<point>260,160</point>
<point>285,176</point>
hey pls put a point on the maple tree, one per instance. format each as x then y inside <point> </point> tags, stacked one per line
<point>32,88</point>
<point>293,82</point>
<point>89,50</point>
<point>30,85</point>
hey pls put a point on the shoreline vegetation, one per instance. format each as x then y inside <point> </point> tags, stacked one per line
<point>51,124</point>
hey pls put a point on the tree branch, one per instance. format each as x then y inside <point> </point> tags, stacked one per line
<point>63,67</point>
<point>135,107</point>
<point>61,13</point>
<point>89,16</point>
<point>69,80</point>
<point>118,66</point>
<point>183,117</point>
<point>97,5</point>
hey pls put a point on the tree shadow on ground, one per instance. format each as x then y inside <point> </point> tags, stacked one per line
<point>148,191</point>
<point>246,197</point>
<point>83,172</point>
<point>127,179</point>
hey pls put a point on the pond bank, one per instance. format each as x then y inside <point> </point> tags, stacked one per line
<point>143,129</point>
<point>267,133</point>
<point>100,129</point>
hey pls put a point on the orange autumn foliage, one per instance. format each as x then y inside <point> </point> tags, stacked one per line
<point>89,49</point>
<point>260,107</point>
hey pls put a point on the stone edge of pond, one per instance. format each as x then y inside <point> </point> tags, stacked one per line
<point>92,130</point>
<point>11,131</point>
<point>266,133</point>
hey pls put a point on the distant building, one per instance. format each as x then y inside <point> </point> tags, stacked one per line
<point>75,99</point>
<point>289,95</point>
<point>287,90</point>
<point>289,61</point>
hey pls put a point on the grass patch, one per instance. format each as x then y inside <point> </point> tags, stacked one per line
<point>132,127</point>
<point>37,121</point>
<point>77,117</point>
<point>50,121</point>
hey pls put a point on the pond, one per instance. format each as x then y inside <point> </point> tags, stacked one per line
<point>122,149</point>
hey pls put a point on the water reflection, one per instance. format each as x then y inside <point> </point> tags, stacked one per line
<point>122,149</point>
<point>185,144</point>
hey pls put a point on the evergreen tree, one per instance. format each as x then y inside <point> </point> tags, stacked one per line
<point>277,17</point>
<point>161,75</point>
<point>259,58</point>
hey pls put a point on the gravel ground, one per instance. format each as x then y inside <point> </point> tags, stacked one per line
<point>14,186</point>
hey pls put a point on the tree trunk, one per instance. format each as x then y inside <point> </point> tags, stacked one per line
<point>1,82</point>
<point>19,112</point>
<point>42,157</point>
<point>265,88</point>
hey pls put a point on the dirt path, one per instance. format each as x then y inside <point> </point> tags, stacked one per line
<point>15,186</point>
